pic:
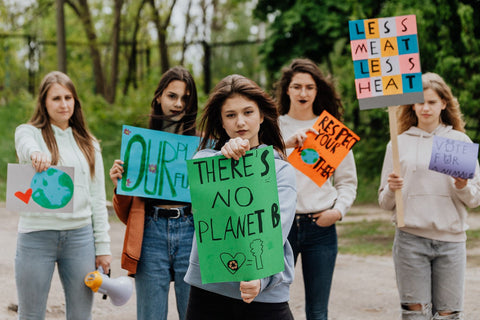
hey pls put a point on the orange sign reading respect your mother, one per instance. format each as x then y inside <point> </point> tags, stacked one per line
<point>321,154</point>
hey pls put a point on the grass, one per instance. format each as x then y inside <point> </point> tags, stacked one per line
<point>366,237</point>
<point>375,238</point>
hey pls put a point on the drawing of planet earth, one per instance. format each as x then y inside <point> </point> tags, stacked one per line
<point>309,156</point>
<point>52,189</point>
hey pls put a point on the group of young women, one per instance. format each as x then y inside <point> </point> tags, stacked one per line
<point>159,245</point>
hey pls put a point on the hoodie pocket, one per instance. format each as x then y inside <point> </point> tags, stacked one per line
<point>428,211</point>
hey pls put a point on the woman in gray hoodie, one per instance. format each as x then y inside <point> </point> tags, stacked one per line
<point>429,251</point>
<point>239,116</point>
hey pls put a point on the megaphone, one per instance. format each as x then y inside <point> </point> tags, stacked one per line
<point>119,289</point>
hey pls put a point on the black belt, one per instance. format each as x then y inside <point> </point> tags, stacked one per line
<point>172,213</point>
<point>305,216</point>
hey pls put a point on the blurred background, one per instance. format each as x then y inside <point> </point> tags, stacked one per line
<point>115,51</point>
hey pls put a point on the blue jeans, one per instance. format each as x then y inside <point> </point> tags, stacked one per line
<point>165,257</point>
<point>430,273</point>
<point>37,252</point>
<point>318,248</point>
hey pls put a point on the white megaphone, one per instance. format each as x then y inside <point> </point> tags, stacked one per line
<point>119,289</point>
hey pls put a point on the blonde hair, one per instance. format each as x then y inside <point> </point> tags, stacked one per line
<point>41,120</point>
<point>451,115</point>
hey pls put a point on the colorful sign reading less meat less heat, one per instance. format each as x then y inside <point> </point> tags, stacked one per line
<point>386,61</point>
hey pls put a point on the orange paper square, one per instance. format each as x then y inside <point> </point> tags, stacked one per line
<point>321,154</point>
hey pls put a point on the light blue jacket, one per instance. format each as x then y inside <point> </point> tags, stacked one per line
<point>276,288</point>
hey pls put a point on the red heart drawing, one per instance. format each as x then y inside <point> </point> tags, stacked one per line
<point>25,197</point>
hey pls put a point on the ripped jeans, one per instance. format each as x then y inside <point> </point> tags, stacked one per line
<point>430,273</point>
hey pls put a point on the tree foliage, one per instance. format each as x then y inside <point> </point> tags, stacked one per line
<point>118,49</point>
<point>449,38</point>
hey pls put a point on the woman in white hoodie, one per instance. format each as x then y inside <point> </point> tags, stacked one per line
<point>429,252</point>
<point>76,242</point>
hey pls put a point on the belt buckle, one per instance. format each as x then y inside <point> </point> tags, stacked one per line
<point>179,213</point>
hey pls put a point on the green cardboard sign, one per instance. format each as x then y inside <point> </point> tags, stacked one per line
<point>237,216</point>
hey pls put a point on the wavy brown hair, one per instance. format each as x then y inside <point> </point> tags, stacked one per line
<point>41,120</point>
<point>232,85</point>
<point>451,115</point>
<point>326,99</point>
<point>186,125</point>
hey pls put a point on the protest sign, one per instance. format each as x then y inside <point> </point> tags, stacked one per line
<point>155,163</point>
<point>386,61</point>
<point>47,191</point>
<point>237,216</point>
<point>454,158</point>
<point>321,154</point>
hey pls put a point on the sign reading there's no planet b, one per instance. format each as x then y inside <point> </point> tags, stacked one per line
<point>155,163</point>
<point>47,191</point>
<point>454,158</point>
<point>237,216</point>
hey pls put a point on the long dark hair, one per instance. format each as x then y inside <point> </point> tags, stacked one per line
<point>326,99</point>
<point>41,120</point>
<point>211,121</point>
<point>186,125</point>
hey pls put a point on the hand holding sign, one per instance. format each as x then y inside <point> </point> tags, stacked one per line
<point>321,153</point>
<point>299,137</point>
<point>249,290</point>
<point>50,190</point>
<point>453,157</point>
<point>155,163</point>
<point>386,62</point>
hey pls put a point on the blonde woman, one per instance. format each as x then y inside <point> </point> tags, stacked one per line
<point>429,252</point>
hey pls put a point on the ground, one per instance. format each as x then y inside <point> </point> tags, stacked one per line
<point>363,287</point>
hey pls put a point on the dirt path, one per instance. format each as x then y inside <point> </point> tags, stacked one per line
<point>364,287</point>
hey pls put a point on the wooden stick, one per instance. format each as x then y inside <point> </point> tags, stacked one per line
<point>392,118</point>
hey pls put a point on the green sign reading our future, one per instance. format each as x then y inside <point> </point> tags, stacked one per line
<point>237,216</point>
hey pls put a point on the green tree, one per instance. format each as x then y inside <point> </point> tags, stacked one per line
<point>449,39</point>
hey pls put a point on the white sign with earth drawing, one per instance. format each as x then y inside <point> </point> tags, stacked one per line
<point>47,191</point>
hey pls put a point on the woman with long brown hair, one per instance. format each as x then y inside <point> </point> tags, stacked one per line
<point>303,92</point>
<point>159,233</point>
<point>77,242</point>
<point>239,116</point>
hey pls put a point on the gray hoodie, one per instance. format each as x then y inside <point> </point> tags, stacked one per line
<point>276,288</point>
<point>433,207</point>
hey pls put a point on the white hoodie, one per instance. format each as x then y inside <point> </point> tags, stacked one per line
<point>433,207</point>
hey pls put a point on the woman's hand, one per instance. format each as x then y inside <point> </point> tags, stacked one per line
<point>395,182</point>
<point>104,262</point>
<point>249,290</point>
<point>460,183</point>
<point>235,148</point>
<point>116,172</point>
<point>299,137</point>
<point>40,161</point>
<point>327,218</point>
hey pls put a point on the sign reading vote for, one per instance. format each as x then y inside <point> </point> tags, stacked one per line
<point>47,191</point>
<point>155,163</point>
<point>386,61</point>
<point>321,154</point>
<point>237,216</point>
<point>453,157</point>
